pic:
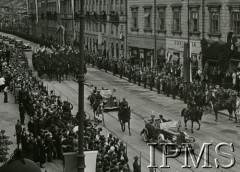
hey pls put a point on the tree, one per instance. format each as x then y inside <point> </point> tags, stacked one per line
<point>4,143</point>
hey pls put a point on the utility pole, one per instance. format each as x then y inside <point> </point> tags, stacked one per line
<point>189,55</point>
<point>81,156</point>
<point>126,30</point>
<point>155,35</point>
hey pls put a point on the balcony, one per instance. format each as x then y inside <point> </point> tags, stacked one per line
<point>103,16</point>
<point>114,17</point>
<point>87,16</point>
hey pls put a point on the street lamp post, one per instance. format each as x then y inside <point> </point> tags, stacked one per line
<point>80,156</point>
<point>187,58</point>
<point>155,35</point>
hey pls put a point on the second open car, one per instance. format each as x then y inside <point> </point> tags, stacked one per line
<point>166,132</point>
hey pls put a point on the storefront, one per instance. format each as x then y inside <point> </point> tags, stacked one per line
<point>175,49</point>
<point>142,49</point>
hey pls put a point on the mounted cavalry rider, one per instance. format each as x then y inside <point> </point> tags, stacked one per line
<point>94,90</point>
<point>124,104</point>
<point>99,96</point>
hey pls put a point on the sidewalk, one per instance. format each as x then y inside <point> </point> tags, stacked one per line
<point>9,114</point>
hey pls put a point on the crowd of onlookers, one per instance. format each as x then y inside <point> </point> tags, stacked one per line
<point>50,129</point>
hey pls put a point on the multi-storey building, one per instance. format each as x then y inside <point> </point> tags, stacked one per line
<point>209,19</point>
<point>12,12</point>
<point>105,27</point>
<point>105,22</point>
<point>54,19</point>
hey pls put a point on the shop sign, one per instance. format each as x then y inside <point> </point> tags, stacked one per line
<point>178,45</point>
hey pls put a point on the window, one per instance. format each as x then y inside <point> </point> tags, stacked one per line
<point>236,22</point>
<point>112,47</point>
<point>117,50</point>
<point>214,19</point>
<point>147,19</point>
<point>116,30</point>
<point>215,22</point>
<point>100,6</point>
<point>161,20</point>
<point>121,7</point>
<point>112,5</point>
<point>135,18</point>
<point>176,20</point>
<point>104,28</point>
<point>111,29</point>
<point>194,21</point>
<point>104,5</point>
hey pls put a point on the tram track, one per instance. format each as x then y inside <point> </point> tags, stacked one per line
<point>111,131</point>
<point>133,130</point>
<point>116,119</point>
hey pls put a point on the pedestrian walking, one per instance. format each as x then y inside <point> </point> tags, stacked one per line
<point>6,90</point>
<point>136,166</point>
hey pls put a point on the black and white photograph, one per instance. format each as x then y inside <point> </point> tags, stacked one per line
<point>119,85</point>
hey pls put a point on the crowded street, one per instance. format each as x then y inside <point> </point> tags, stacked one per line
<point>144,104</point>
<point>119,86</point>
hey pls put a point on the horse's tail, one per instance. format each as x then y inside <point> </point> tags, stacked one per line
<point>182,112</point>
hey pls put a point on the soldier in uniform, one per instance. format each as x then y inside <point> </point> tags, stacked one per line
<point>139,78</point>
<point>158,84</point>
<point>130,74</point>
<point>173,89</point>
<point>121,70</point>
<point>151,81</point>
<point>134,76</point>
<point>168,86</point>
<point>185,92</point>
<point>144,79</point>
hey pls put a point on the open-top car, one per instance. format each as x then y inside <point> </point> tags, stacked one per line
<point>12,40</point>
<point>166,132</point>
<point>5,38</point>
<point>19,44</point>
<point>110,102</point>
<point>27,47</point>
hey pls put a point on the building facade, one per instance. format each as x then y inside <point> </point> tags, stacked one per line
<point>105,26</point>
<point>208,19</point>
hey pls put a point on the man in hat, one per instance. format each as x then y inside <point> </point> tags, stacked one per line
<point>161,119</point>
<point>136,166</point>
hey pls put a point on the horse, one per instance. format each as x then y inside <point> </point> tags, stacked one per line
<point>195,115</point>
<point>229,105</point>
<point>124,116</point>
<point>91,99</point>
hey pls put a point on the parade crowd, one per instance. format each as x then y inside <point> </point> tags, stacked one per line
<point>50,130</point>
<point>168,79</point>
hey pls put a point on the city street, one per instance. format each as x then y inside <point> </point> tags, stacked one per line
<point>144,103</point>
